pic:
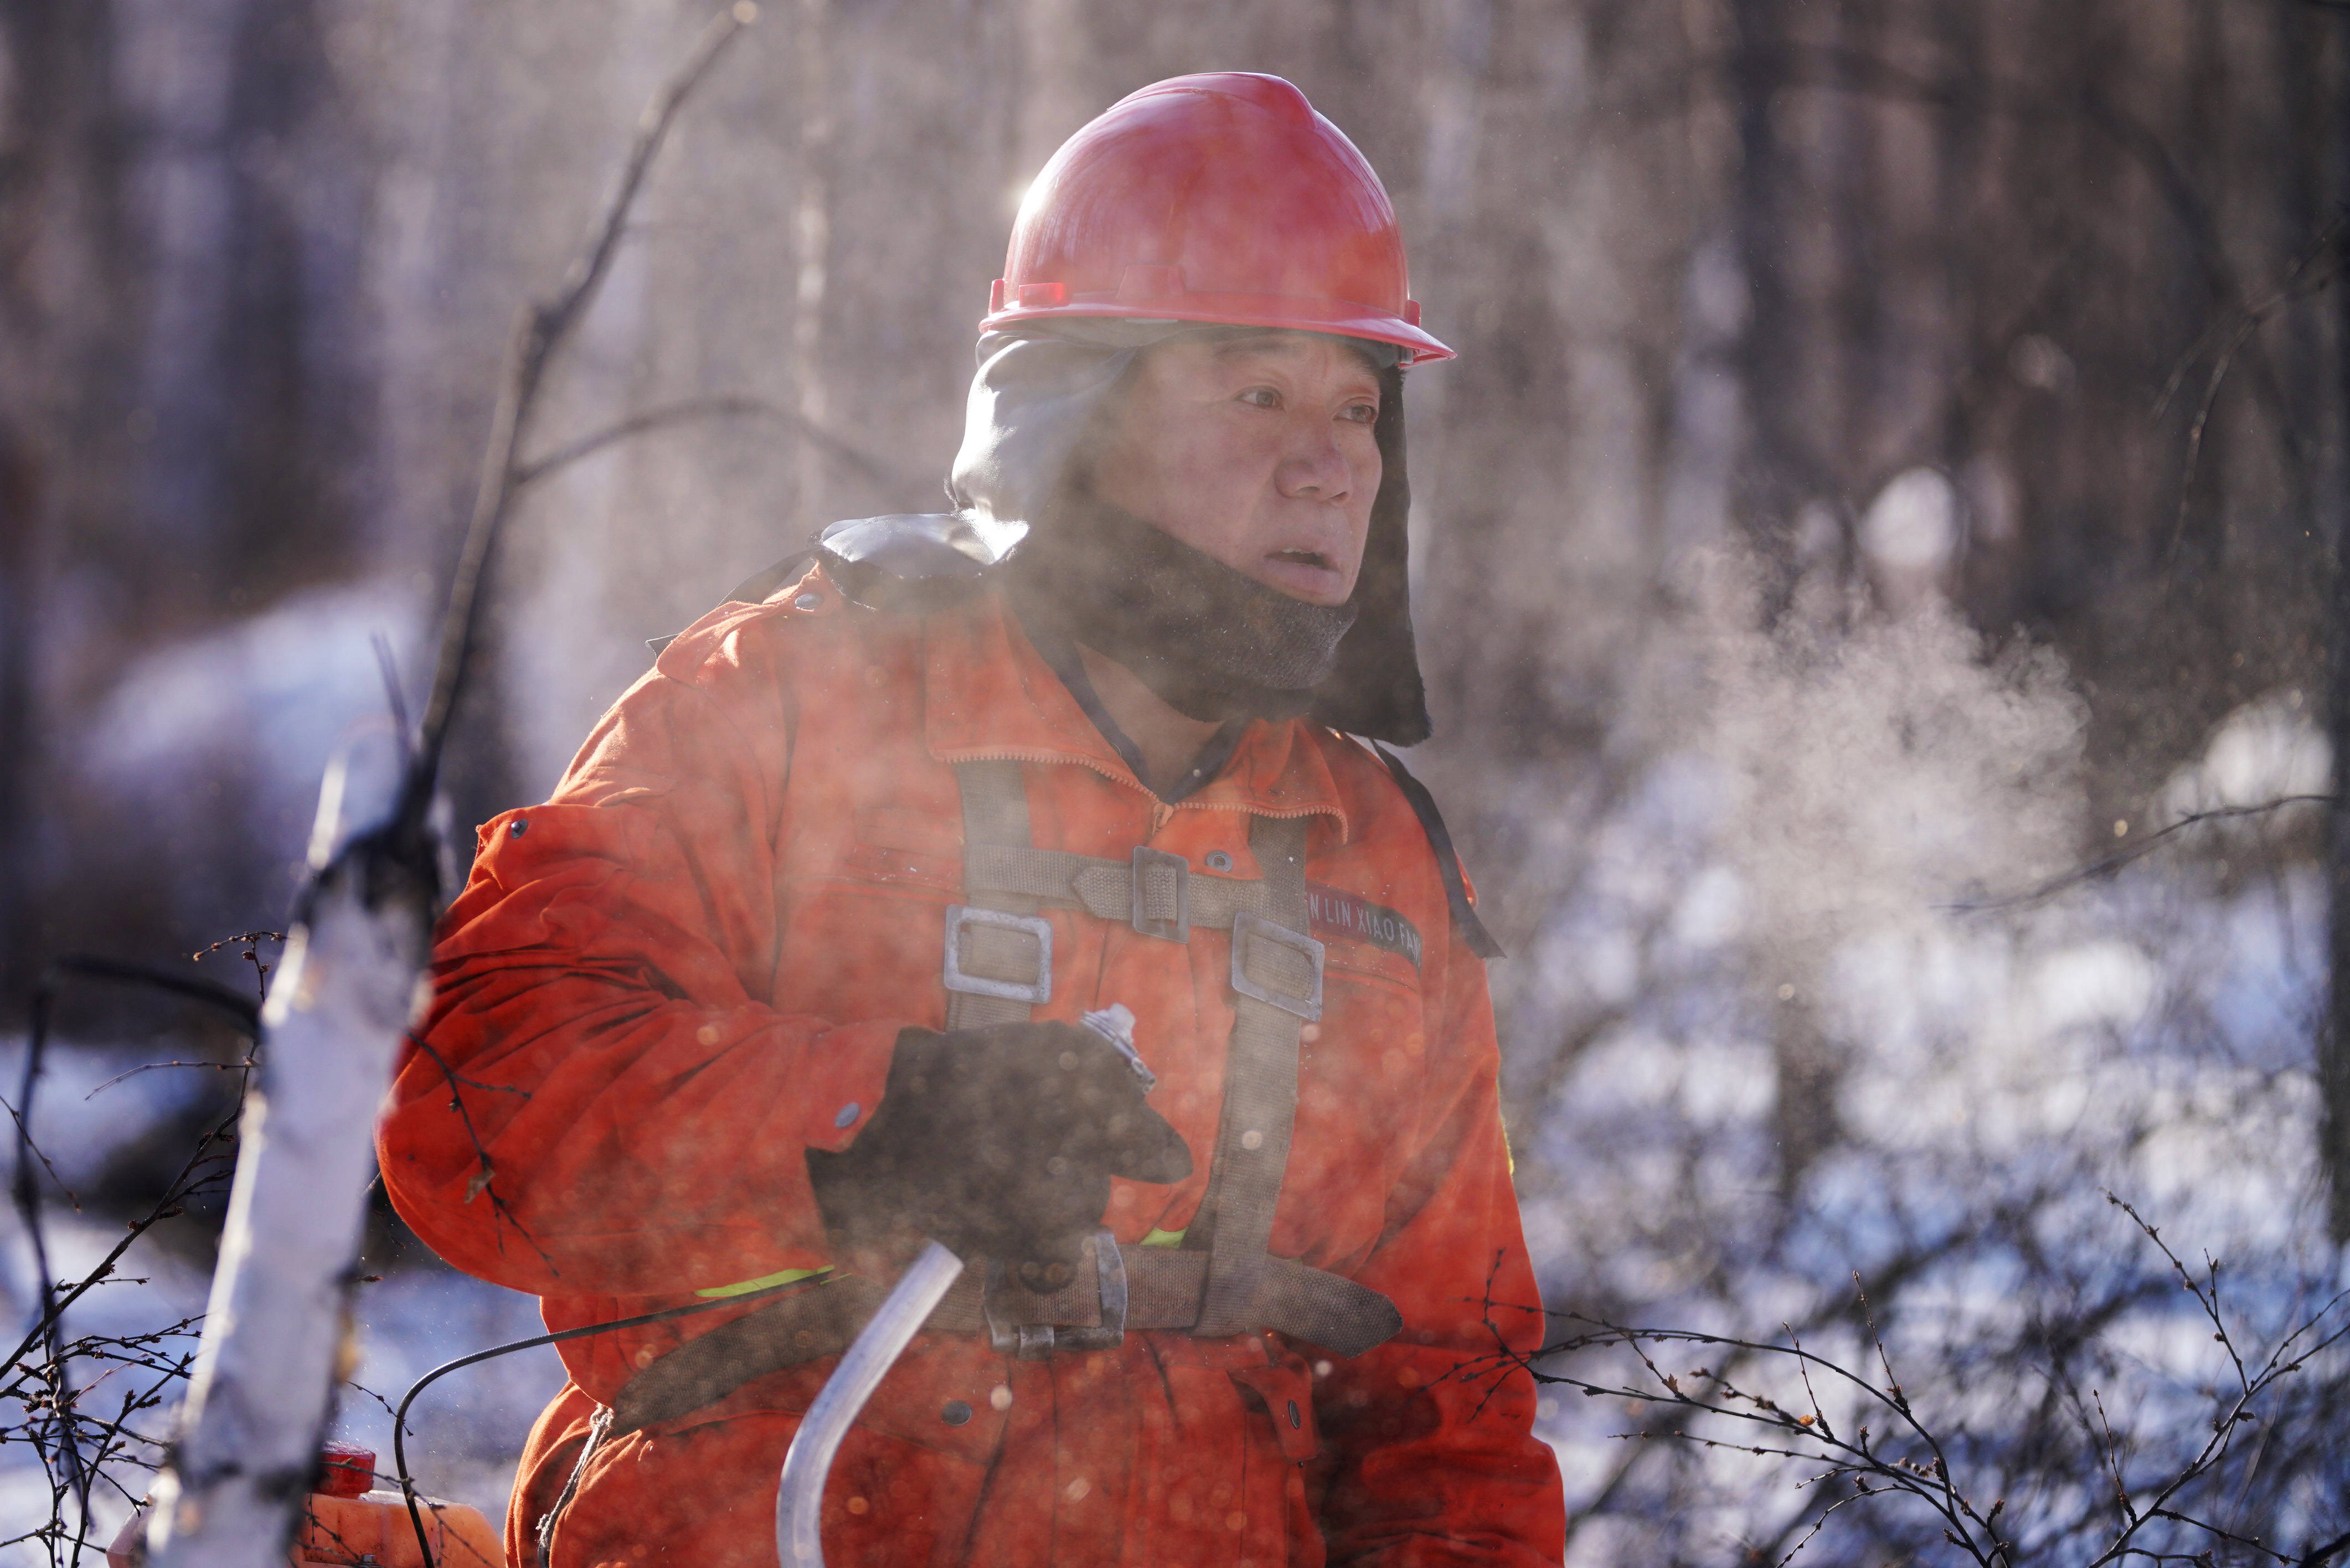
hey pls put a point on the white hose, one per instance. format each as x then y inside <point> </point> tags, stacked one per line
<point>799,1503</point>
<point>799,1500</point>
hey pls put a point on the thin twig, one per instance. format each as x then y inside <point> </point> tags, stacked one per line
<point>28,1209</point>
<point>2277,298</point>
<point>187,1184</point>
<point>242,1065</point>
<point>667,414</point>
<point>394,699</point>
<point>2107,864</point>
<point>80,1474</point>
<point>2249,321</point>
<point>242,1009</point>
<point>484,1180</point>
<point>2317,1556</point>
<point>543,329</point>
<point>1878,1471</point>
<point>245,939</point>
<point>531,472</point>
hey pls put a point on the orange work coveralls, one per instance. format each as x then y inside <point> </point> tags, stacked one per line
<point>659,990</point>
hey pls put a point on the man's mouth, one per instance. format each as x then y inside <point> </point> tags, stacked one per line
<point>1305,558</point>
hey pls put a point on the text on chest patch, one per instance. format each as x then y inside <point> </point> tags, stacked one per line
<point>1336,913</point>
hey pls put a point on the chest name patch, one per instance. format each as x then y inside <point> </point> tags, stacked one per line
<point>1334,913</point>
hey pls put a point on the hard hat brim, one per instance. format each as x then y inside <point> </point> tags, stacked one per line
<point>1341,318</point>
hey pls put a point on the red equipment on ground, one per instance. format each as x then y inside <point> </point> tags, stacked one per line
<point>348,1522</point>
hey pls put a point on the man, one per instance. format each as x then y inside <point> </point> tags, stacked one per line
<point>787,974</point>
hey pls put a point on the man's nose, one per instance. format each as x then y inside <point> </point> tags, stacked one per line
<point>1313,468</point>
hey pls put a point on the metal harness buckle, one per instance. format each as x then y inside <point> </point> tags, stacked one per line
<point>1037,991</point>
<point>1247,928</point>
<point>1036,1341</point>
<point>1156,866</point>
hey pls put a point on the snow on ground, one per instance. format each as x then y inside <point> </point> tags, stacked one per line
<point>465,1431</point>
<point>1782,1024</point>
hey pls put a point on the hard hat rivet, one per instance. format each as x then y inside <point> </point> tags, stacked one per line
<point>807,601</point>
<point>1296,1418</point>
<point>1219,861</point>
<point>521,825</point>
<point>955,1414</point>
<point>846,1115</point>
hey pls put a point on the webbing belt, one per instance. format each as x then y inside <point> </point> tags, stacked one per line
<point>1235,1217</point>
<point>999,967</point>
<point>1011,952</point>
<point>1165,1287</point>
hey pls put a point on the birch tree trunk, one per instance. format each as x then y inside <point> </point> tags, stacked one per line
<point>277,1325</point>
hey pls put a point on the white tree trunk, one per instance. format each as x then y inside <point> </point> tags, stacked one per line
<point>264,1377</point>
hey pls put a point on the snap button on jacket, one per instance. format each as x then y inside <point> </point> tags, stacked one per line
<point>662,988</point>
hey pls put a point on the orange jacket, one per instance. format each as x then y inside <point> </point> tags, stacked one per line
<point>657,990</point>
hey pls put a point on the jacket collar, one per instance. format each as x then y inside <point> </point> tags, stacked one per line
<point>988,694</point>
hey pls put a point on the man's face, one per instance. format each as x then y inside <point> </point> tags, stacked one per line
<point>1256,450</point>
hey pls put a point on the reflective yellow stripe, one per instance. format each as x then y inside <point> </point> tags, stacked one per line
<point>1164,1239</point>
<point>744,1287</point>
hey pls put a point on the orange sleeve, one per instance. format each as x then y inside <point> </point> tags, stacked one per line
<point>1431,1456</point>
<point>604,1098</point>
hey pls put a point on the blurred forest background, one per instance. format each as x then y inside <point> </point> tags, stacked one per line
<point>1898,456</point>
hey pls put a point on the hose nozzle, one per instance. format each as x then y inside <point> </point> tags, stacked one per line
<point>1115,1023</point>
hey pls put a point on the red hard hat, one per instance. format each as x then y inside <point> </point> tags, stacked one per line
<point>1222,197</point>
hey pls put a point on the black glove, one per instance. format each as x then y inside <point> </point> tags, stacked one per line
<point>998,1142</point>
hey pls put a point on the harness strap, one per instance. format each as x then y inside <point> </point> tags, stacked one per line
<point>1165,1288</point>
<point>999,967</point>
<point>1235,1217</point>
<point>1448,862</point>
<point>1276,978</point>
<point>1108,889</point>
<point>1005,954</point>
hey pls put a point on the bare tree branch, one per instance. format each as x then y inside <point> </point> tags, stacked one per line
<point>543,327</point>
<point>668,414</point>
<point>2247,321</point>
<point>1931,1480</point>
<point>2106,865</point>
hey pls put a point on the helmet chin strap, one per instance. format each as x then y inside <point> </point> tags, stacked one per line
<point>1214,643</point>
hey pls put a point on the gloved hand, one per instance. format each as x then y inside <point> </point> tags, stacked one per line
<point>998,1142</point>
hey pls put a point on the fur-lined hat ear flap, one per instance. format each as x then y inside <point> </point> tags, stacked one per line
<point>1375,689</point>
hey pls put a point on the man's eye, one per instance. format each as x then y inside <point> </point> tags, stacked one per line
<point>1261,397</point>
<point>1363,413</point>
